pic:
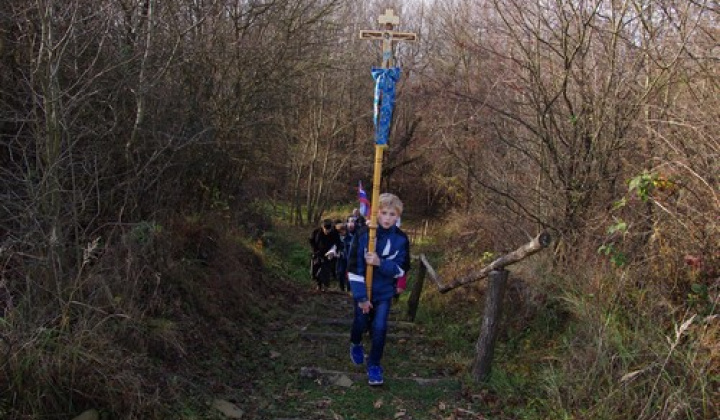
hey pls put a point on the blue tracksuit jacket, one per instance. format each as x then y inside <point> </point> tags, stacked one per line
<point>392,247</point>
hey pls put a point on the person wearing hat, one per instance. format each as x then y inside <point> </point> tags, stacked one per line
<point>326,246</point>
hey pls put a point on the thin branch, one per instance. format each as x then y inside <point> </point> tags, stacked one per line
<point>539,243</point>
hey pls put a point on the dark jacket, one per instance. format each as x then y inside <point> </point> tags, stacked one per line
<point>322,243</point>
<point>392,247</point>
<point>343,261</point>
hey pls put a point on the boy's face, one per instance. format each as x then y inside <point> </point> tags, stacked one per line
<point>387,217</point>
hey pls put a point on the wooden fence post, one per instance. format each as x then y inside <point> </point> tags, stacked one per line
<point>414,299</point>
<point>485,346</point>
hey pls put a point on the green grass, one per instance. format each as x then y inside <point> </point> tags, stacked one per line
<point>280,391</point>
<point>289,254</point>
<point>365,402</point>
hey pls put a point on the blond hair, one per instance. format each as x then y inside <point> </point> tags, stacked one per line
<point>387,200</point>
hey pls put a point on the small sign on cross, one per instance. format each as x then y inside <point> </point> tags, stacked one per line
<point>389,18</point>
<point>388,36</point>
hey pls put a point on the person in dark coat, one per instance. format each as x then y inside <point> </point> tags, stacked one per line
<point>326,246</point>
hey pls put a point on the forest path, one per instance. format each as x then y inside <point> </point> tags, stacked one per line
<point>309,374</point>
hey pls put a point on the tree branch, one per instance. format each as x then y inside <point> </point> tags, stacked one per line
<point>539,243</point>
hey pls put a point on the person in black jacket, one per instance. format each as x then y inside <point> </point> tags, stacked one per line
<point>326,246</point>
<point>342,264</point>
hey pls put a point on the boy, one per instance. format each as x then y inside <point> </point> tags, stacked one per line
<point>388,261</point>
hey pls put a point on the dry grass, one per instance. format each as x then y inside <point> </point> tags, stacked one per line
<point>161,315</point>
<point>597,341</point>
<point>133,331</point>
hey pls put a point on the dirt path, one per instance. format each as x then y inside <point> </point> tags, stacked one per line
<point>309,375</point>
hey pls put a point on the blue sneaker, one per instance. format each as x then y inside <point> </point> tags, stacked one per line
<point>375,375</point>
<point>357,353</point>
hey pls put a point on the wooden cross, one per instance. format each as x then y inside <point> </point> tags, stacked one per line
<point>388,36</point>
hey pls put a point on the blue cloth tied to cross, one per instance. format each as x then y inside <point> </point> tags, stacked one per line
<point>385,80</point>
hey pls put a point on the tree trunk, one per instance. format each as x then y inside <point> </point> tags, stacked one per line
<point>142,87</point>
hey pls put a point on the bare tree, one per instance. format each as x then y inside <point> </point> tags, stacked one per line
<point>549,90</point>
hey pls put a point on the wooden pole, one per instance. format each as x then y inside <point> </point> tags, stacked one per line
<point>373,214</point>
<point>387,36</point>
<point>539,243</point>
<point>414,299</point>
<point>485,346</point>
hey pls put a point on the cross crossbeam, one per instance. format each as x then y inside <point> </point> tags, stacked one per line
<point>388,36</point>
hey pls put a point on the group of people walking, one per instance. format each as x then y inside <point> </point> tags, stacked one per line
<point>340,251</point>
<point>330,244</point>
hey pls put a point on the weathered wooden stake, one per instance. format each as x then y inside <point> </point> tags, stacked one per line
<point>485,346</point>
<point>414,299</point>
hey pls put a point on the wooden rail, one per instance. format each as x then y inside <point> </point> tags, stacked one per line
<point>485,345</point>
<point>538,243</point>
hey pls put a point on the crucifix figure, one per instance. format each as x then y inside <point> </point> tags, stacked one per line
<point>388,36</point>
<point>385,78</point>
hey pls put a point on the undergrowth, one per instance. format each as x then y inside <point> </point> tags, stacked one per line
<point>156,317</point>
<point>164,318</point>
